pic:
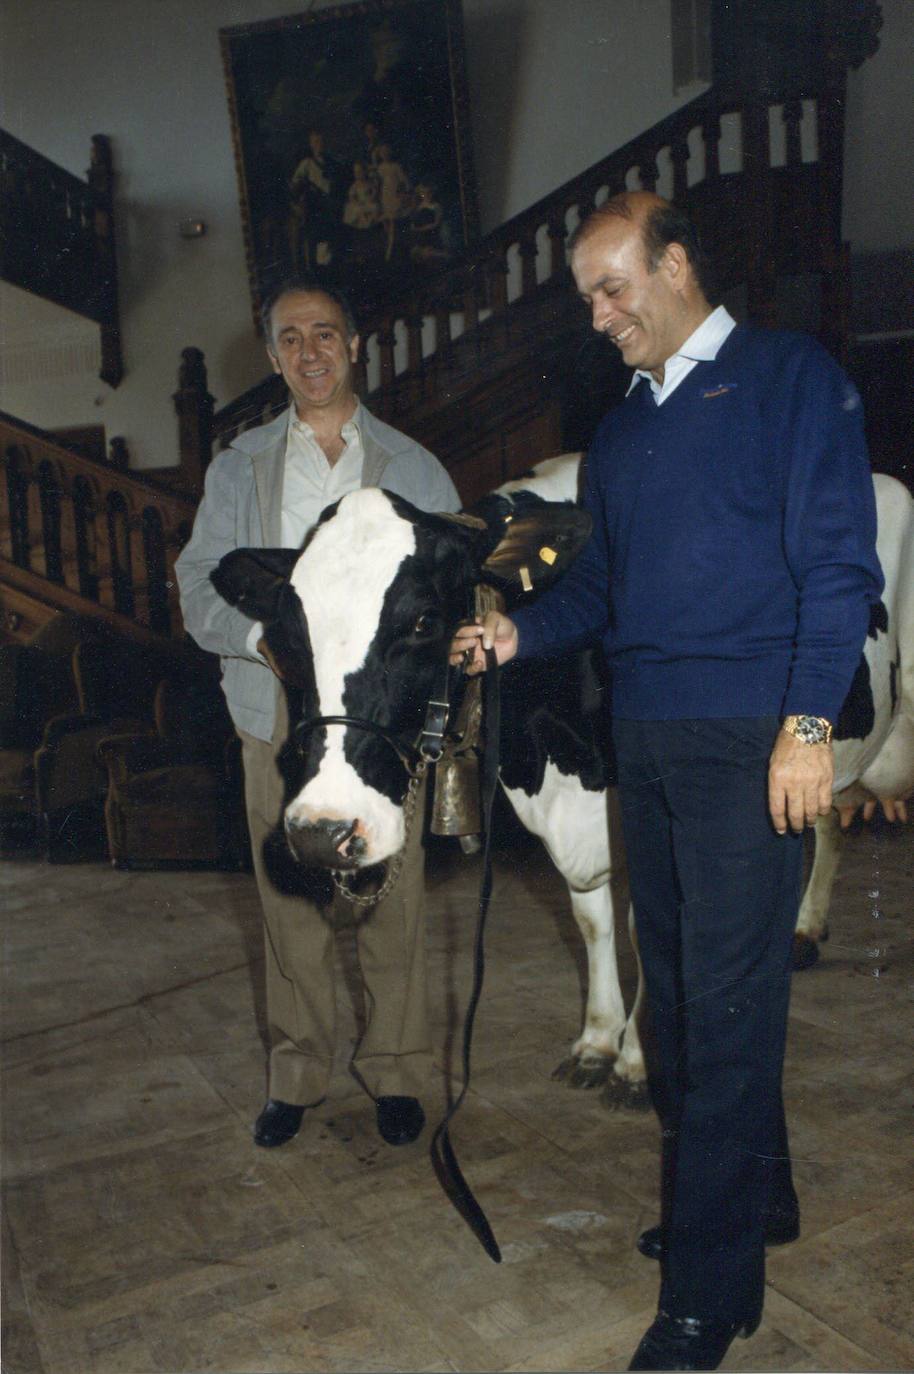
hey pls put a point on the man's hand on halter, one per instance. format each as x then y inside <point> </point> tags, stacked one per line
<point>264,650</point>
<point>494,631</point>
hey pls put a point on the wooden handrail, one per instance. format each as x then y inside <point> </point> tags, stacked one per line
<point>107,537</point>
<point>681,156</point>
<point>57,237</point>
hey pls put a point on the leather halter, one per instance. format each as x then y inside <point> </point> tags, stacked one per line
<point>416,757</point>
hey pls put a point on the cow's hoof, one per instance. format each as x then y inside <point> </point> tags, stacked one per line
<point>620,1094</point>
<point>805,952</point>
<point>590,1071</point>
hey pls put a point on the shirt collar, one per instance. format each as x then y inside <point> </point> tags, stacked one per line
<point>702,345</point>
<point>352,429</point>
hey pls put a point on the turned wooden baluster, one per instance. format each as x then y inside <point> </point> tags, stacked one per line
<point>415,372</point>
<point>498,291</point>
<point>414,340</point>
<point>528,255</point>
<point>679,156</point>
<point>85,539</point>
<point>710,130</point>
<point>119,559</point>
<point>360,369</point>
<point>792,115</point>
<point>17,491</point>
<point>557,236</point>
<point>648,172</point>
<point>386,339</point>
<point>474,294</point>
<point>443,347</point>
<point>49,495</point>
<point>157,609</point>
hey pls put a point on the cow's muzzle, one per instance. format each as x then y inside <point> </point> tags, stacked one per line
<point>325,843</point>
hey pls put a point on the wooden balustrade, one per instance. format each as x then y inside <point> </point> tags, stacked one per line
<point>73,530</point>
<point>57,236</point>
<point>713,156</point>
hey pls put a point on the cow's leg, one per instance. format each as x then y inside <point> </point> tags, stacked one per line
<point>597,1047</point>
<point>627,1085</point>
<point>582,832</point>
<point>812,922</point>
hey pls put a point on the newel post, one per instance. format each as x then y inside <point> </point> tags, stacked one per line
<point>101,191</point>
<point>194,409</point>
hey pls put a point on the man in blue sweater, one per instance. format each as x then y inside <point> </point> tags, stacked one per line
<point>730,575</point>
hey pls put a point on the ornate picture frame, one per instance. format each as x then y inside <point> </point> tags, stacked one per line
<point>352,145</point>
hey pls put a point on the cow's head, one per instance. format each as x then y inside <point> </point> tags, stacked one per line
<point>361,619</point>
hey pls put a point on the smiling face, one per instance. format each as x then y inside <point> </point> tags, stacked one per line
<point>312,350</point>
<point>644,312</point>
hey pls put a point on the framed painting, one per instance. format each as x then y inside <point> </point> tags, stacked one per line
<point>352,145</point>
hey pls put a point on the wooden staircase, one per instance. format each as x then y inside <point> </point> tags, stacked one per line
<point>492,364</point>
<point>486,364</point>
<point>77,535</point>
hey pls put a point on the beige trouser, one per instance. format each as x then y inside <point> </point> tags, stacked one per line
<point>393,1055</point>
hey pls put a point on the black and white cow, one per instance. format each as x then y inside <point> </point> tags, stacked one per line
<point>874,736</point>
<point>364,616</point>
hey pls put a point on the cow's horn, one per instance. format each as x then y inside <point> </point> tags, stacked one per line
<point>471,522</point>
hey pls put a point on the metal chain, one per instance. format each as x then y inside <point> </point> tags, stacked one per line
<point>342,879</point>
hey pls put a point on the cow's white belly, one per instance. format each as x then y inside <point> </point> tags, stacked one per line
<point>573,825</point>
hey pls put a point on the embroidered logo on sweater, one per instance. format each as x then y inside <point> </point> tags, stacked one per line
<point>720,390</point>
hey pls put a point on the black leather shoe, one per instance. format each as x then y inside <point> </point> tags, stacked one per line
<point>688,1342</point>
<point>780,1229</point>
<point>400,1119</point>
<point>277,1123</point>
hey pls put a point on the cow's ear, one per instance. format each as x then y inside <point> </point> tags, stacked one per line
<point>252,579</point>
<point>538,546</point>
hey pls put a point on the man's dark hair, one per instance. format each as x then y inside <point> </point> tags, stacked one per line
<point>313,287</point>
<point>663,225</point>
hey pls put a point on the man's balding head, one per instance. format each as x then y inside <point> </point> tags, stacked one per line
<point>660,222</point>
<point>637,266</point>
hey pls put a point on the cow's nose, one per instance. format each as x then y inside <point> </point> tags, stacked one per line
<point>325,844</point>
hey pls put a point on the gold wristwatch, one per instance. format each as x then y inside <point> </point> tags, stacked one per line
<point>809,729</point>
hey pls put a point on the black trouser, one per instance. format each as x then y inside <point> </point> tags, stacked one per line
<point>716,892</point>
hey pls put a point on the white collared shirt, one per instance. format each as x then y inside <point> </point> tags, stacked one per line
<point>310,483</point>
<point>703,345</point>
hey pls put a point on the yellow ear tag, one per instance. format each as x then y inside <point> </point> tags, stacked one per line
<point>525,581</point>
<point>548,555</point>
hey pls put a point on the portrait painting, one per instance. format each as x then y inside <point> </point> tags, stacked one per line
<point>352,145</point>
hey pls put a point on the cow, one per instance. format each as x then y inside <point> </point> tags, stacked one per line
<point>362,618</point>
<point>874,734</point>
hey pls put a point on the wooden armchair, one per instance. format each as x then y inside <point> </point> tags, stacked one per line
<point>37,688</point>
<point>175,799</point>
<point>115,684</point>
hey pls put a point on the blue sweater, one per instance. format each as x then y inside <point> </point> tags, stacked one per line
<point>732,561</point>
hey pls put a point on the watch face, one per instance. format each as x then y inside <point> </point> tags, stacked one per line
<point>811,730</point>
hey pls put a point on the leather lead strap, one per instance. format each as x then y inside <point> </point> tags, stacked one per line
<point>442,1153</point>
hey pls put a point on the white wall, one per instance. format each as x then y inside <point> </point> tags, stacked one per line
<point>554,85</point>
<point>879,162</point>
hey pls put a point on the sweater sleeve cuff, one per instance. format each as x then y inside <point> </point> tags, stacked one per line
<point>255,633</point>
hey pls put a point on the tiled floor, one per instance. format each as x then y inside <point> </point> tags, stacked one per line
<point>144,1232</point>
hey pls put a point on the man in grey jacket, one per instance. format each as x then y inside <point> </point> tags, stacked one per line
<point>267,491</point>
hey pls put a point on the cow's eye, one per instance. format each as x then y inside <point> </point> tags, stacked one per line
<point>425,625</point>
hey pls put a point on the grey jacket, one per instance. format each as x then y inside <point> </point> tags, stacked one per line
<point>242,508</point>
